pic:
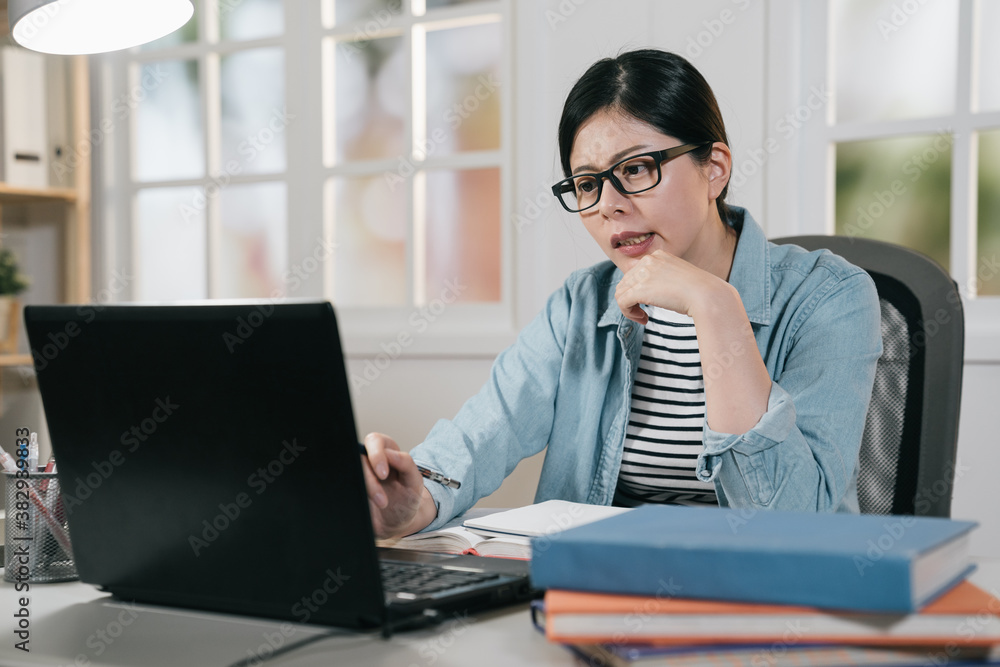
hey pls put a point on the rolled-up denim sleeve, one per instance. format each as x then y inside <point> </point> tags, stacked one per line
<point>803,452</point>
<point>508,420</point>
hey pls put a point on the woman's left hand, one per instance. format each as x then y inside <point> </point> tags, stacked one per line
<point>663,280</point>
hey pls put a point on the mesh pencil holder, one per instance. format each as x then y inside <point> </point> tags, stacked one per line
<point>36,539</point>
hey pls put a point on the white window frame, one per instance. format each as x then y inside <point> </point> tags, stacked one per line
<point>459,329</point>
<point>800,189</point>
<point>456,329</point>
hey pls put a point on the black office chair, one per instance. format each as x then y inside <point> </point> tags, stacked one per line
<point>907,460</point>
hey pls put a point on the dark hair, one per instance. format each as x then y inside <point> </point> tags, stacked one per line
<point>658,88</point>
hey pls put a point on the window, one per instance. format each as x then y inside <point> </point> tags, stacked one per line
<point>200,181</point>
<point>910,150</point>
<point>355,151</point>
<point>413,150</point>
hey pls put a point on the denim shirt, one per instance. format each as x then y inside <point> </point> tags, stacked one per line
<point>566,384</point>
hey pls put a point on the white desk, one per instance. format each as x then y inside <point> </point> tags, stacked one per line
<point>74,624</point>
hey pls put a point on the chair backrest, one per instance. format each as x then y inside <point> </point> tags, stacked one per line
<point>907,459</point>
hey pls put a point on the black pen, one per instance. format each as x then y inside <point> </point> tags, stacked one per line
<point>432,475</point>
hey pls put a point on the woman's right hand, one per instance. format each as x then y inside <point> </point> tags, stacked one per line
<point>399,503</point>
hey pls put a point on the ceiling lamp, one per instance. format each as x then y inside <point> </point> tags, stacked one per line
<point>70,27</point>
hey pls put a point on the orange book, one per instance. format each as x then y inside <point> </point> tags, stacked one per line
<point>964,616</point>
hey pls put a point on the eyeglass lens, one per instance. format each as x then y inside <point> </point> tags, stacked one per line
<point>634,175</point>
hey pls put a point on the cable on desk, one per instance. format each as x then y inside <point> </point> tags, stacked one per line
<point>258,659</point>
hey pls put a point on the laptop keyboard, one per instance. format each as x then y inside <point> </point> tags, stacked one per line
<point>410,581</point>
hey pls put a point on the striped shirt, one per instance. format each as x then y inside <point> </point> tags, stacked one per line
<point>664,434</point>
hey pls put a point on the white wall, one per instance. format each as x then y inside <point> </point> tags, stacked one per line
<point>978,460</point>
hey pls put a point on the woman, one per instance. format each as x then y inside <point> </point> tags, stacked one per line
<point>701,364</point>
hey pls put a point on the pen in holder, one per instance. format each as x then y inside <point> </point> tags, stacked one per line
<point>36,539</point>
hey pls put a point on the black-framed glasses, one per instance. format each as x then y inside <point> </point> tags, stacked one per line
<point>631,176</point>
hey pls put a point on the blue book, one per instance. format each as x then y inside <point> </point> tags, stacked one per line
<point>838,561</point>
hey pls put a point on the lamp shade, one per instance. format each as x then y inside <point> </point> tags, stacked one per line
<point>70,27</point>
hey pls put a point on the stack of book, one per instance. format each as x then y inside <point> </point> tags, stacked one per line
<point>686,586</point>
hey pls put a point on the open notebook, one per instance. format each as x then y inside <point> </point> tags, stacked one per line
<point>454,538</point>
<point>503,533</point>
<point>459,540</point>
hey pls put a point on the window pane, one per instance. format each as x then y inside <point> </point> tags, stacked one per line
<point>988,238</point>
<point>170,244</point>
<point>250,19</point>
<point>253,111</point>
<point>433,4</point>
<point>254,247</point>
<point>373,15</point>
<point>989,55</point>
<point>169,136</point>
<point>897,190</point>
<point>371,85</point>
<point>463,234</point>
<point>369,233</point>
<point>463,88</point>
<point>894,60</point>
<point>186,34</point>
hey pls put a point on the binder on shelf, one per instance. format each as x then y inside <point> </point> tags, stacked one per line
<point>23,118</point>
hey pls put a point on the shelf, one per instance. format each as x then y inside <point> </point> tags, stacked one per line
<point>12,194</point>
<point>7,360</point>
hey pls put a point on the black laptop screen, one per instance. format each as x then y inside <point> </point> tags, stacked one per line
<point>202,447</point>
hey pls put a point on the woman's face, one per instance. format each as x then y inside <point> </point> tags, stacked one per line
<point>678,216</point>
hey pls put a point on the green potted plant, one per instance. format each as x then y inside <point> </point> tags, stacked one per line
<point>12,283</point>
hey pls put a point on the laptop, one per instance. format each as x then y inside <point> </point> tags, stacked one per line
<point>207,456</point>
